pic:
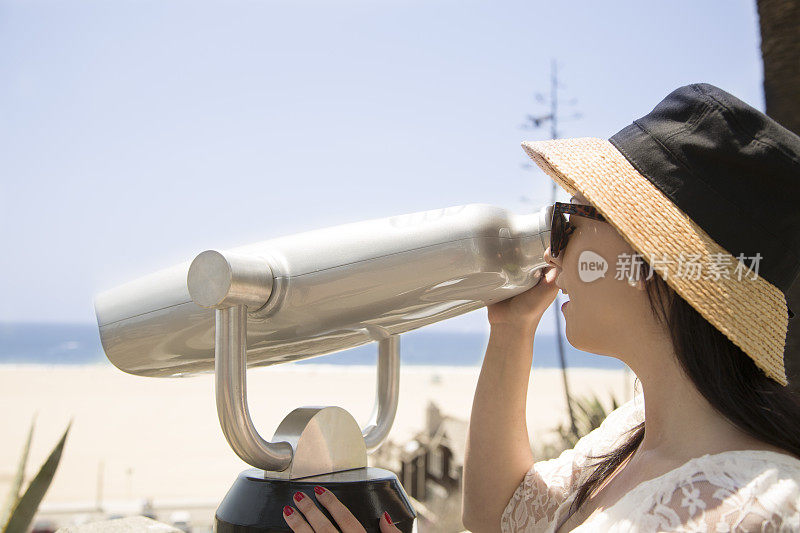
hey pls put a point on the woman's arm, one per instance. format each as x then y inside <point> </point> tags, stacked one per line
<point>498,452</point>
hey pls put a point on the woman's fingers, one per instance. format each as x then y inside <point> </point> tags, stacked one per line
<point>308,518</point>
<point>526,308</point>
<point>295,520</point>
<point>386,524</point>
<point>318,522</point>
<point>344,518</point>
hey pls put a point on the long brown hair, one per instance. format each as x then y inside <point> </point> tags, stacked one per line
<point>726,377</point>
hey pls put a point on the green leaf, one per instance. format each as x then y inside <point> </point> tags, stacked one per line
<point>16,485</point>
<point>23,513</point>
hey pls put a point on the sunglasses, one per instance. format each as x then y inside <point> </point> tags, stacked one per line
<point>561,229</point>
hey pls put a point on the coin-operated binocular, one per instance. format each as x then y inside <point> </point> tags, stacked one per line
<point>310,294</point>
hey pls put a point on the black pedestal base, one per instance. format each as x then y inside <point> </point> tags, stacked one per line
<point>255,503</point>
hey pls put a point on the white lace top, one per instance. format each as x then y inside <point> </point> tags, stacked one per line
<point>743,490</point>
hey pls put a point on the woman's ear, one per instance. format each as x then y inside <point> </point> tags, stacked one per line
<point>638,284</point>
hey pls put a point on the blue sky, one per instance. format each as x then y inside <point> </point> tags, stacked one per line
<point>137,134</point>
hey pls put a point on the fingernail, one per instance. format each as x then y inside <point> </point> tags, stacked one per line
<point>298,496</point>
<point>288,510</point>
<point>319,490</point>
<point>386,516</point>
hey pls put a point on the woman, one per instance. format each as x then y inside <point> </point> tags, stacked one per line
<point>681,207</point>
<point>713,444</point>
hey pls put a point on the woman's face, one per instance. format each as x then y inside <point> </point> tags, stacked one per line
<point>605,314</point>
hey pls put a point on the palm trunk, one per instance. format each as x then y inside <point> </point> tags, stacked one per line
<point>780,49</point>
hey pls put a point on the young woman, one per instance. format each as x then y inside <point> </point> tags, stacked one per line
<point>690,207</point>
<point>713,443</point>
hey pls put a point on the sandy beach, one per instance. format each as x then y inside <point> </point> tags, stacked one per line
<point>134,438</point>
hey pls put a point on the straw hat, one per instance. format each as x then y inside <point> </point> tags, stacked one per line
<point>703,179</point>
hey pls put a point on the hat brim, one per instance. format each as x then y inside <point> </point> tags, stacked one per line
<point>748,309</point>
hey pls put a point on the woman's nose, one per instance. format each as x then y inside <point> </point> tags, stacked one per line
<point>549,258</point>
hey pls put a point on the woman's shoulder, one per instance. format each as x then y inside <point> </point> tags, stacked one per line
<point>743,490</point>
<point>751,465</point>
<point>736,490</point>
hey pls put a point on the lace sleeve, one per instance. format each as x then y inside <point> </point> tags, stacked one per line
<point>736,491</point>
<point>548,483</point>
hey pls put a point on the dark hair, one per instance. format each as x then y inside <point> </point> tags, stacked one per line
<point>726,377</point>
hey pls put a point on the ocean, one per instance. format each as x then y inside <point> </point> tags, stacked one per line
<point>79,344</point>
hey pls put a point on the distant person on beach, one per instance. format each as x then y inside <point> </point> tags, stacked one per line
<point>677,250</point>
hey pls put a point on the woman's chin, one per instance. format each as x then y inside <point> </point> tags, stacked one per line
<point>574,337</point>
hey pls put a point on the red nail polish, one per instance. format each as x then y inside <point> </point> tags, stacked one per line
<point>298,496</point>
<point>386,516</point>
<point>288,510</point>
<point>318,489</point>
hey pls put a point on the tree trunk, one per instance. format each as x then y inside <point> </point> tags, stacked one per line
<point>780,50</point>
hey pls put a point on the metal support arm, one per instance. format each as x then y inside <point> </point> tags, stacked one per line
<point>386,395</point>
<point>230,284</point>
<point>230,368</point>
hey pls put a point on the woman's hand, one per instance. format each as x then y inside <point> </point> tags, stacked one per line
<point>526,308</point>
<point>312,519</point>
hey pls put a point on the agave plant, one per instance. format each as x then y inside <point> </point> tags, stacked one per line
<point>591,413</point>
<point>588,414</point>
<point>20,507</point>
